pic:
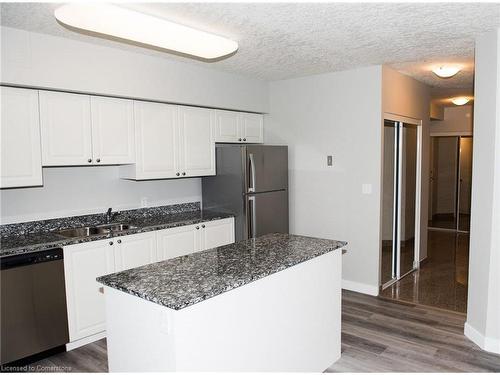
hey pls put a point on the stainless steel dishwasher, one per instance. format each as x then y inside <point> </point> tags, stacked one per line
<point>33,304</point>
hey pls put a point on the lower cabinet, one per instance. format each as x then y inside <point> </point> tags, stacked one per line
<point>85,262</point>
<point>174,242</point>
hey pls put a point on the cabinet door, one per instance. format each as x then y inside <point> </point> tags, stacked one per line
<point>112,130</point>
<point>197,141</point>
<point>83,263</point>
<point>217,233</point>
<point>227,127</point>
<point>66,128</point>
<point>21,163</point>
<point>156,140</point>
<point>135,250</point>
<point>175,242</point>
<point>252,127</point>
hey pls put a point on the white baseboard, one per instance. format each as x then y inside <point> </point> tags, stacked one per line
<point>486,343</point>
<point>360,287</point>
<point>86,340</point>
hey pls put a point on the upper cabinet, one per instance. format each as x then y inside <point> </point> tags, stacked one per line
<point>112,130</point>
<point>239,127</point>
<point>80,130</point>
<point>172,142</point>
<point>21,163</point>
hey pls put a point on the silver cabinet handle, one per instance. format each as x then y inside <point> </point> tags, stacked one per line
<point>244,139</point>
<point>251,187</point>
<point>239,139</point>
<point>89,160</point>
<point>203,226</point>
<point>183,173</point>
<point>177,174</point>
<point>119,241</point>
<point>197,227</point>
<point>110,243</point>
<point>98,160</point>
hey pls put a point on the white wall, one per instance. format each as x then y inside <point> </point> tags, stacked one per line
<point>405,96</point>
<point>335,114</point>
<point>34,59</point>
<point>457,121</point>
<point>38,60</point>
<point>483,304</point>
<point>71,191</point>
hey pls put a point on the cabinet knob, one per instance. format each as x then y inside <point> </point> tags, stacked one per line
<point>239,139</point>
<point>183,173</point>
<point>89,160</point>
<point>197,227</point>
<point>110,243</point>
<point>244,139</point>
<point>203,225</point>
<point>98,160</point>
<point>177,174</point>
<point>119,241</point>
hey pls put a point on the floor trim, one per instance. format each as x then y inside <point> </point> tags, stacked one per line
<point>360,287</point>
<point>86,340</point>
<point>486,343</point>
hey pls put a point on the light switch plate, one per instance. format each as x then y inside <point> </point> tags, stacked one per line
<point>366,189</point>
<point>329,160</point>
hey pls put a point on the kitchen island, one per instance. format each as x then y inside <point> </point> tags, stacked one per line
<point>267,304</point>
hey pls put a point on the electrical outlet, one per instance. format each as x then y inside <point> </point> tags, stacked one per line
<point>366,189</point>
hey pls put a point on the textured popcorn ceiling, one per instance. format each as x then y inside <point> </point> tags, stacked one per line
<point>284,40</point>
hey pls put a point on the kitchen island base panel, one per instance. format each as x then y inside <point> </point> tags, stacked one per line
<point>288,321</point>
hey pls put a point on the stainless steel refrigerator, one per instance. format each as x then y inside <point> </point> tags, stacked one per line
<point>252,183</point>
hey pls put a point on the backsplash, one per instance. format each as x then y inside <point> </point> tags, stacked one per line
<point>42,226</point>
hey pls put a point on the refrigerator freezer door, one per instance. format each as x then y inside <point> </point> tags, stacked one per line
<point>267,213</point>
<point>266,168</point>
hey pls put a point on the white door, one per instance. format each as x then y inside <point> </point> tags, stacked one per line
<point>112,130</point>
<point>21,163</point>
<point>227,127</point>
<point>197,141</point>
<point>156,140</point>
<point>174,242</point>
<point>217,233</point>
<point>252,127</point>
<point>135,250</point>
<point>83,263</point>
<point>66,128</point>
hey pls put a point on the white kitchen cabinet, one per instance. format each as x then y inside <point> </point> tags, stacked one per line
<point>252,127</point>
<point>196,141</point>
<point>156,137</point>
<point>175,242</point>
<point>66,129</point>
<point>217,233</point>
<point>83,263</point>
<point>21,163</point>
<point>238,127</point>
<point>134,250</point>
<point>112,130</point>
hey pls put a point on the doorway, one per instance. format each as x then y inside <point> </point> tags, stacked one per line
<point>450,183</point>
<point>400,198</point>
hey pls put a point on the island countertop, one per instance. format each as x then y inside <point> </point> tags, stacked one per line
<point>184,281</point>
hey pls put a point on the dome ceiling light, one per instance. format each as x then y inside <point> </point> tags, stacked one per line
<point>461,100</point>
<point>129,25</point>
<point>446,71</point>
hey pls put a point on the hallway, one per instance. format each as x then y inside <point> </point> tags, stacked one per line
<point>442,279</point>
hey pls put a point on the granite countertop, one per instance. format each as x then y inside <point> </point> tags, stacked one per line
<point>184,281</point>
<point>36,236</point>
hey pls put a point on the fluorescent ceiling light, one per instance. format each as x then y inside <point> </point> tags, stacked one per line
<point>460,100</point>
<point>446,71</point>
<point>141,28</point>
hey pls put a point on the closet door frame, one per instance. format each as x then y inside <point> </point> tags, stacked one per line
<point>396,263</point>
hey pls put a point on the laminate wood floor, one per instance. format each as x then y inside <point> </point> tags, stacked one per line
<point>378,335</point>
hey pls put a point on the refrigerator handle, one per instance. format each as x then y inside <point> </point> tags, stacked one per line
<point>252,219</point>
<point>251,187</point>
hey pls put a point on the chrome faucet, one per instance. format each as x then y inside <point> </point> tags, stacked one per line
<point>109,215</point>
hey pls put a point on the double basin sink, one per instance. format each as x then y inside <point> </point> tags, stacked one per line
<point>95,230</point>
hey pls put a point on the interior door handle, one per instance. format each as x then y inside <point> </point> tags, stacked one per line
<point>251,187</point>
